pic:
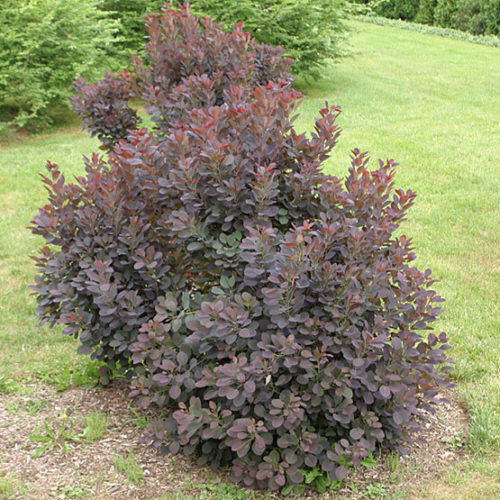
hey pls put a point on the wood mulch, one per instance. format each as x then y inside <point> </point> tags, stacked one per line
<point>87,470</point>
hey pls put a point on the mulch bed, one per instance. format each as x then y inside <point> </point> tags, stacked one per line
<point>87,469</point>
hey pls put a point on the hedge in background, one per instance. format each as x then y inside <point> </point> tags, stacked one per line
<point>488,41</point>
<point>310,31</point>
<point>476,16</point>
<point>271,307</point>
<point>479,17</point>
<point>44,45</point>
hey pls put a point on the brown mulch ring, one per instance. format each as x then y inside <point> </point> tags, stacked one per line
<point>87,469</point>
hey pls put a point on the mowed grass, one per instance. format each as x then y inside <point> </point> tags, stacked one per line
<point>26,349</point>
<point>428,102</point>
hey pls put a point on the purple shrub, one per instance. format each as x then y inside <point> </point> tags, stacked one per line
<point>269,305</point>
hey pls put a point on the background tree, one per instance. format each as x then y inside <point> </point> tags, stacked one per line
<point>310,31</point>
<point>397,9</point>
<point>44,46</point>
<point>425,13</point>
<point>444,12</point>
<point>130,15</point>
<point>477,16</point>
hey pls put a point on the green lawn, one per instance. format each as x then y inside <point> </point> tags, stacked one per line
<point>428,102</point>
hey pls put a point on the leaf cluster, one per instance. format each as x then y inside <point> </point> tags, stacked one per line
<point>187,64</point>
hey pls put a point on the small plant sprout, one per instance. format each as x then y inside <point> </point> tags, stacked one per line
<point>392,461</point>
<point>127,464</point>
<point>455,442</point>
<point>140,421</point>
<point>376,491</point>
<point>7,487</point>
<point>7,385</point>
<point>96,426</point>
<point>58,434</point>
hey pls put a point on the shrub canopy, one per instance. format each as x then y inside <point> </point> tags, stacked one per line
<point>270,306</point>
<point>186,63</point>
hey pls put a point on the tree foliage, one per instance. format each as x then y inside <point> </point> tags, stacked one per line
<point>425,13</point>
<point>398,9</point>
<point>44,45</point>
<point>310,31</point>
<point>479,17</point>
<point>130,15</point>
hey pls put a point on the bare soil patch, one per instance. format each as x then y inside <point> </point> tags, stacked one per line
<point>87,470</point>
